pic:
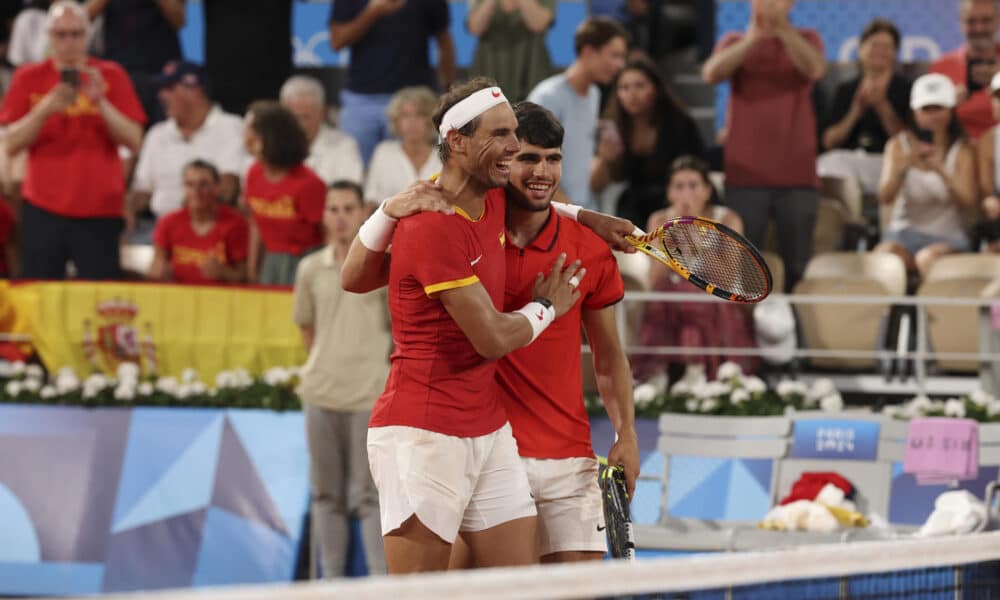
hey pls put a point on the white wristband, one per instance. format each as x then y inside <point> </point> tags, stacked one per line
<point>376,233</point>
<point>568,210</point>
<point>539,317</point>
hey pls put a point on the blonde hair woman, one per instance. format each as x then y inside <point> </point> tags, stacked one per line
<point>410,155</point>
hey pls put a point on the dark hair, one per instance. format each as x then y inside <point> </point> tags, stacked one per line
<point>596,32</point>
<point>690,162</point>
<point>349,186</point>
<point>881,26</point>
<point>455,94</point>
<point>955,130</point>
<point>537,125</point>
<point>283,142</point>
<point>204,165</point>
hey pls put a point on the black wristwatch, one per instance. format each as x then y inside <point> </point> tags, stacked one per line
<point>543,301</point>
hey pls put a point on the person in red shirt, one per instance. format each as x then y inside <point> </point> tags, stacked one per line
<point>204,242</point>
<point>285,197</point>
<point>440,448</point>
<point>770,146</point>
<point>71,113</point>
<point>972,66</point>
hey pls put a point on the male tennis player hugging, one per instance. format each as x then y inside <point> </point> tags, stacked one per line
<point>435,476</point>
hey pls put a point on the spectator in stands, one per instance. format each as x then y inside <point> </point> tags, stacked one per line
<point>248,50</point>
<point>929,177</point>
<point>389,47</point>
<point>195,128</point>
<point>770,146</point>
<point>143,38</point>
<point>691,324</point>
<point>867,111</point>
<point>285,197</point>
<point>412,155</point>
<point>989,167</point>
<point>348,337</point>
<point>600,44</point>
<point>972,66</point>
<point>9,258</point>
<point>29,42</point>
<point>72,113</point>
<point>205,241</point>
<point>511,47</point>
<point>654,128</point>
<point>333,154</point>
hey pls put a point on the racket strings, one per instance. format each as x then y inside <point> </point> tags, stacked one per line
<point>716,258</point>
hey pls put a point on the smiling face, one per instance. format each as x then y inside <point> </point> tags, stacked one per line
<point>534,177</point>
<point>491,148</point>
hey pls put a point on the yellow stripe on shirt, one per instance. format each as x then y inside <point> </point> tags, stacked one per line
<point>430,290</point>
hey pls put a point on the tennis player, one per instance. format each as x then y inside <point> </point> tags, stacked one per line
<point>440,448</point>
<point>541,384</point>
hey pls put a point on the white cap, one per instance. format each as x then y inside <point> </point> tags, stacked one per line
<point>933,89</point>
<point>995,83</point>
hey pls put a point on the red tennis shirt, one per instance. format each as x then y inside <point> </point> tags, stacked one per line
<point>73,167</point>
<point>437,380</point>
<point>287,212</point>
<point>227,241</point>
<point>541,384</point>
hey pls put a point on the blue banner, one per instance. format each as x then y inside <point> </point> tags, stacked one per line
<point>835,439</point>
<point>111,500</point>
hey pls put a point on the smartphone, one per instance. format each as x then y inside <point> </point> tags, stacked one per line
<point>924,135</point>
<point>70,76</point>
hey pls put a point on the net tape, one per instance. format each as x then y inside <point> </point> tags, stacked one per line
<point>620,578</point>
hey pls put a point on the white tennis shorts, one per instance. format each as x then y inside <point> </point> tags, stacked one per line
<point>568,500</point>
<point>450,483</point>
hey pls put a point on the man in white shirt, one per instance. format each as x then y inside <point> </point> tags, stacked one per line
<point>333,154</point>
<point>195,128</point>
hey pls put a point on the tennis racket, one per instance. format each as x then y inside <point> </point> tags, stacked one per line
<point>617,519</point>
<point>709,255</point>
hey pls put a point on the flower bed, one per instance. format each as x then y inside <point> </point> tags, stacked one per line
<point>275,390</point>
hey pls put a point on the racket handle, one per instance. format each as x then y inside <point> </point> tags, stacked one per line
<point>638,232</point>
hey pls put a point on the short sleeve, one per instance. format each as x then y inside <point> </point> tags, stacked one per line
<point>436,255</point>
<point>608,287</point>
<point>303,307</point>
<point>142,181</point>
<point>121,93</point>
<point>238,240</point>
<point>16,102</point>
<point>438,16</point>
<point>343,11</point>
<point>311,198</point>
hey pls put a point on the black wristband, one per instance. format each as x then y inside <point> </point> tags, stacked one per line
<point>543,301</point>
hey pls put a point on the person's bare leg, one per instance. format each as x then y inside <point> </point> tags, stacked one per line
<point>461,555</point>
<point>571,556</point>
<point>927,255</point>
<point>509,544</point>
<point>900,251</point>
<point>413,548</point>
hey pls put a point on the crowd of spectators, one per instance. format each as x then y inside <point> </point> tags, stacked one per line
<point>224,167</point>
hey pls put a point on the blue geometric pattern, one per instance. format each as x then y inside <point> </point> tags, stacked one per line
<point>719,488</point>
<point>237,551</point>
<point>20,542</point>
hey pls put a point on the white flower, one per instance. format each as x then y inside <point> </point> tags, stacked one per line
<point>128,371</point>
<point>937,405</point>
<point>189,375</point>
<point>242,377</point>
<point>709,404</point>
<point>90,392</point>
<point>96,381</point>
<point>34,372</point>
<point>125,391</point>
<point>167,385</point>
<point>739,396</point>
<point>681,388</point>
<point>981,398</point>
<point>146,389</point>
<point>198,388</point>
<point>755,385</point>
<point>728,370</point>
<point>821,387</point>
<point>66,381</point>
<point>13,388</point>
<point>225,379</point>
<point>954,408</point>
<point>892,411</point>
<point>831,403</point>
<point>692,405</point>
<point>18,368</point>
<point>993,408</point>
<point>48,392</point>
<point>184,391</point>
<point>32,385</point>
<point>916,407</point>
<point>644,394</point>
<point>788,387</point>
<point>277,376</point>
<point>789,410</point>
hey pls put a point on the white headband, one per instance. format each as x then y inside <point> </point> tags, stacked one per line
<point>466,110</point>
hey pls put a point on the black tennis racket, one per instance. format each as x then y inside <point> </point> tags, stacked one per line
<point>709,255</point>
<point>617,518</point>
